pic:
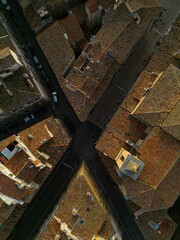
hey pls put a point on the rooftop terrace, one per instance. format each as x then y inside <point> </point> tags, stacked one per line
<point>22,94</point>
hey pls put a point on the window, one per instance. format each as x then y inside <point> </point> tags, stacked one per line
<point>82,221</point>
<point>11,147</point>
<point>122,158</point>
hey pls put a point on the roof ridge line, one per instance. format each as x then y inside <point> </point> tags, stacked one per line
<point>170,126</point>
<point>178,158</point>
<point>142,193</point>
<point>151,112</point>
<point>170,112</point>
<point>173,69</point>
<point>161,198</point>
<point>152,200</point>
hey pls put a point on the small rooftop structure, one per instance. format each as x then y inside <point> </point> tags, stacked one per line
<point>127,164</point>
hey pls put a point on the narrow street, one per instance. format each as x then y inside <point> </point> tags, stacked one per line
<point>84,135</point>
<point>132,67</point>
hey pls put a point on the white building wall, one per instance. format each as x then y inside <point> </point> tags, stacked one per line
<point>10,201</point>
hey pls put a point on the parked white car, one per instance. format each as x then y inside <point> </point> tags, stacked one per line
<point>28,118</point>
<point>55,98</point>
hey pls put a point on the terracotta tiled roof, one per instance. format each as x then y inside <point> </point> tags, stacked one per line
<point>90,73</point>
<point>164,56</point>
<point>16,213</point>
<point>3,160</point>
<point>40,135</point>
<point>79,12</point>
<point>114,24</point>
<point>166,228</point>
<point>9,188</point>
<point>86,75</point>
<point>53,229</point>
<point>71,27</point>
<point>121,128</point>
<point>124,42</point>
<point>155,106</point>
<point>134,5</point>
<point>92,5</point>
<point>109,145</point>
<point>76,197</point>
<point>56,48</point>
<point>28,172</point>
<point>76,78</point>
<point>18,161</point>
<point>160,61</point>
<point>113,29</point>
<point>121,14</point>
<point>159,152</point>
<point>48,136</point>
<point>171,42</point>
<point>6,142</point>
<point>171,124</point>
<point>77,100</point>
<point>90,81</point>
<point>137,91</point>
<point>106,231</point>
<point>158,185</point>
